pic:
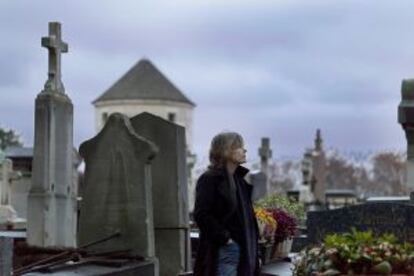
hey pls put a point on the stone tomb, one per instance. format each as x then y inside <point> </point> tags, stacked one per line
<point>117,189</point>
<point>169,191</point>
<point>381,217</point>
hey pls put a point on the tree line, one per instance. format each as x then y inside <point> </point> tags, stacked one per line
<point>383,174</point>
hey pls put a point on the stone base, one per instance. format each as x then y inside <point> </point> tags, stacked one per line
<point>146,268</point>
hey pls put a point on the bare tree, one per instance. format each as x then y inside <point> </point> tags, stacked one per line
<point>340,173</point>
<point>389,173</point>
<point>8,138</point>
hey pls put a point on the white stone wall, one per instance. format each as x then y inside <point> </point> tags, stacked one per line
<point>19,193</point>
<point>183,112</point>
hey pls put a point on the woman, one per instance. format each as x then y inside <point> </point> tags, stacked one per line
<point>223,211</point>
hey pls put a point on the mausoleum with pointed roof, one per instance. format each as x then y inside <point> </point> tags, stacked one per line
<point>145,89</point>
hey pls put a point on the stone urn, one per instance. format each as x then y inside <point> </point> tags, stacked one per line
<point>282,249</point>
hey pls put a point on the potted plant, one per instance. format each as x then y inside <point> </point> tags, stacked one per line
<point>289,214</point>
<point>357,253</point>
<point>267,226</point>
<point>293,208</point>
<point>284,233</point>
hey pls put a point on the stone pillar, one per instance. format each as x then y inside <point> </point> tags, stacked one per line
<point>406,119</point>
<point>6,174</point>
<point>306,167</point>
<point>51,204</point>
<point>318,179</point>
<point>318,141</point>
<point>6,256</point>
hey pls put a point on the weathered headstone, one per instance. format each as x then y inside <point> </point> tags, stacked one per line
<point>51,201</point>
<point>406,119</point>
<point>385,217</point>
<point>169,190</point>
<point>116,197</point>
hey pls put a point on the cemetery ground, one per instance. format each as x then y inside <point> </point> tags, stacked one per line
<point>131,213</point>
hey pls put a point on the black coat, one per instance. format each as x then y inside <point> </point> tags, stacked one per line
<point>216,215</point>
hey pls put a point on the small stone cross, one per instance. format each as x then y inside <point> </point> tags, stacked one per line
<point>318,140</point>
<point>56,47</point>
<point>265,152</point>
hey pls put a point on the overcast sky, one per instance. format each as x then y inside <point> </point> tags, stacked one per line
<point>263,68</point>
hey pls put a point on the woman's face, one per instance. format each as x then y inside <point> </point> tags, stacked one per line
<point>238,155</point>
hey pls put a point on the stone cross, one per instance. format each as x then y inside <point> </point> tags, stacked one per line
<point>406,119</point>
<point>56,47</point>
<point>318,140</point>
<point>265,154</point>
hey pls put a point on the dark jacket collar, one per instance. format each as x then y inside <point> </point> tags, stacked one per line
<point>240,171</point>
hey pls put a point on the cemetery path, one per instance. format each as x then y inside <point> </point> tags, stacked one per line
<point>278,268</point>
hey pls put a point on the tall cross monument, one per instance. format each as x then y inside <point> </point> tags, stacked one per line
<point>51,214</point>
<point>265,154</point>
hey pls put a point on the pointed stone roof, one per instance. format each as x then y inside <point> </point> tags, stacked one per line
<point>143,82</point>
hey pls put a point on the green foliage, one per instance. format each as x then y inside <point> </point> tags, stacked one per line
<point>8,138</point>
<point>357,252</point>
<point>276,201</point>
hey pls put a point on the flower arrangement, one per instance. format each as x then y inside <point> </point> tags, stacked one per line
<point>357,253</point>
<point>267,224</point>
<point>287,225</point>
<point>276,201</point>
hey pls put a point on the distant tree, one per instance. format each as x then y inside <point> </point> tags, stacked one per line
<point>389,173</point>
<point>9,138</point>
<point>340,173</point>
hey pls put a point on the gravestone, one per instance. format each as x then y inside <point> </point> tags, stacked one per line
<point>384,217</point>
<point>52,202</point>
<point>169,190</point>
<point>116,197</point>
<point>406,119</point>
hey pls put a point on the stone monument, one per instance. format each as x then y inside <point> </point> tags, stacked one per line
<point>265,154</point>
<point>52,200</point>
<point>406,119</point>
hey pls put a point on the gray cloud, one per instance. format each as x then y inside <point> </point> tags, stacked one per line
<point>274,68</point>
